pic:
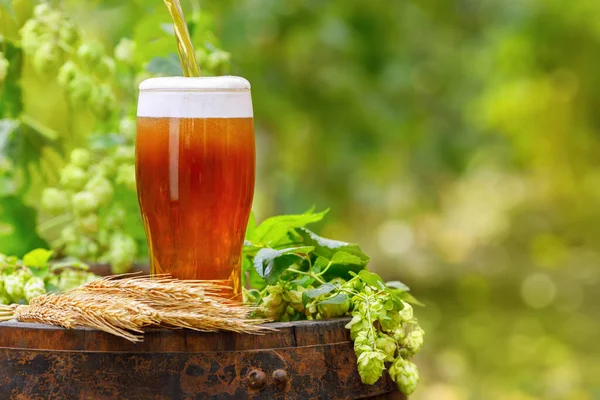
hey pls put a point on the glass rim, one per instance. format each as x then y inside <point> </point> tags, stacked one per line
<point>226,83</point>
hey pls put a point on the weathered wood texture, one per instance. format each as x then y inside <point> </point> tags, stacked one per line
<point>301,360</point>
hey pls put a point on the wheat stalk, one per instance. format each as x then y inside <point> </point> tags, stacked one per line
<point>124,306</point>
<point>167,293</point>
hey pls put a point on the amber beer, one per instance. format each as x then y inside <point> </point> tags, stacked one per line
<point>195,166</point>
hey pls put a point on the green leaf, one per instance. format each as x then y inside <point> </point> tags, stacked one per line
<point>328,247</point>
<point>320,264</point>
<point>398,286</point>
<point>272,230</point>
<point>17,227</point>
<point>409,298</point>
<point>250,277</point>
<point>11,99</point>
<point>167,66</point>
<point>7,4</point>
<point>372,279</point>
<point>339,298</point>
<point>271,263</point>
<point>341,257</point>
<point>250,249</point>
<point>252,296</point>
<point>168,28</point>
<point>251,227</point>
<point>40,272</point>
<point>23,142</point>
<point>321,290</point>
<point>37,258</point>
<point>303,281</point>
<point>151,40</point>
<point>51,288</point>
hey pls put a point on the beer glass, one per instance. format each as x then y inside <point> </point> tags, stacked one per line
<point>195,167</point>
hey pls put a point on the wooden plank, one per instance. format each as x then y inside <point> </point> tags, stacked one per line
<point>290,334</point>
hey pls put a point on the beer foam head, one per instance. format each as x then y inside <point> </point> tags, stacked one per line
<point>205,97</point>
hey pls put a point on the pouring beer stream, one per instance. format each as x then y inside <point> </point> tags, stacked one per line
<point>185,47</point>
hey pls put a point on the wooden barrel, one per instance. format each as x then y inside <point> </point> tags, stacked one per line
<point>300,360</point>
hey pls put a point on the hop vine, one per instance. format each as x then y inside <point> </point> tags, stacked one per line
<point>34,275</point>
<point>92,221</point>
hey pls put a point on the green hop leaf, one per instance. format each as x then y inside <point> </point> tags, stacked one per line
<point>405,374</point>
<point>372,279</point>
<point>328,248</point>
<point>341,257</point>
<point>321,290</point>
<point>270,263</point>
<point>37,258</point>
<point>409,298</point>
<point>397,285</point>
<point>275,229</point>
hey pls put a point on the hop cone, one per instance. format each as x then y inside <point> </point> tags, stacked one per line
<point>405,374</point>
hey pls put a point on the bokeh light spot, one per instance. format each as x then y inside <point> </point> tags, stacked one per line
<point>538,290</point>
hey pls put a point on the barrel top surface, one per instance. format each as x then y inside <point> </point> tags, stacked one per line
<point>15,334</point>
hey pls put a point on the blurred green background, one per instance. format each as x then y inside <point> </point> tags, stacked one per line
<point>457,141</point>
